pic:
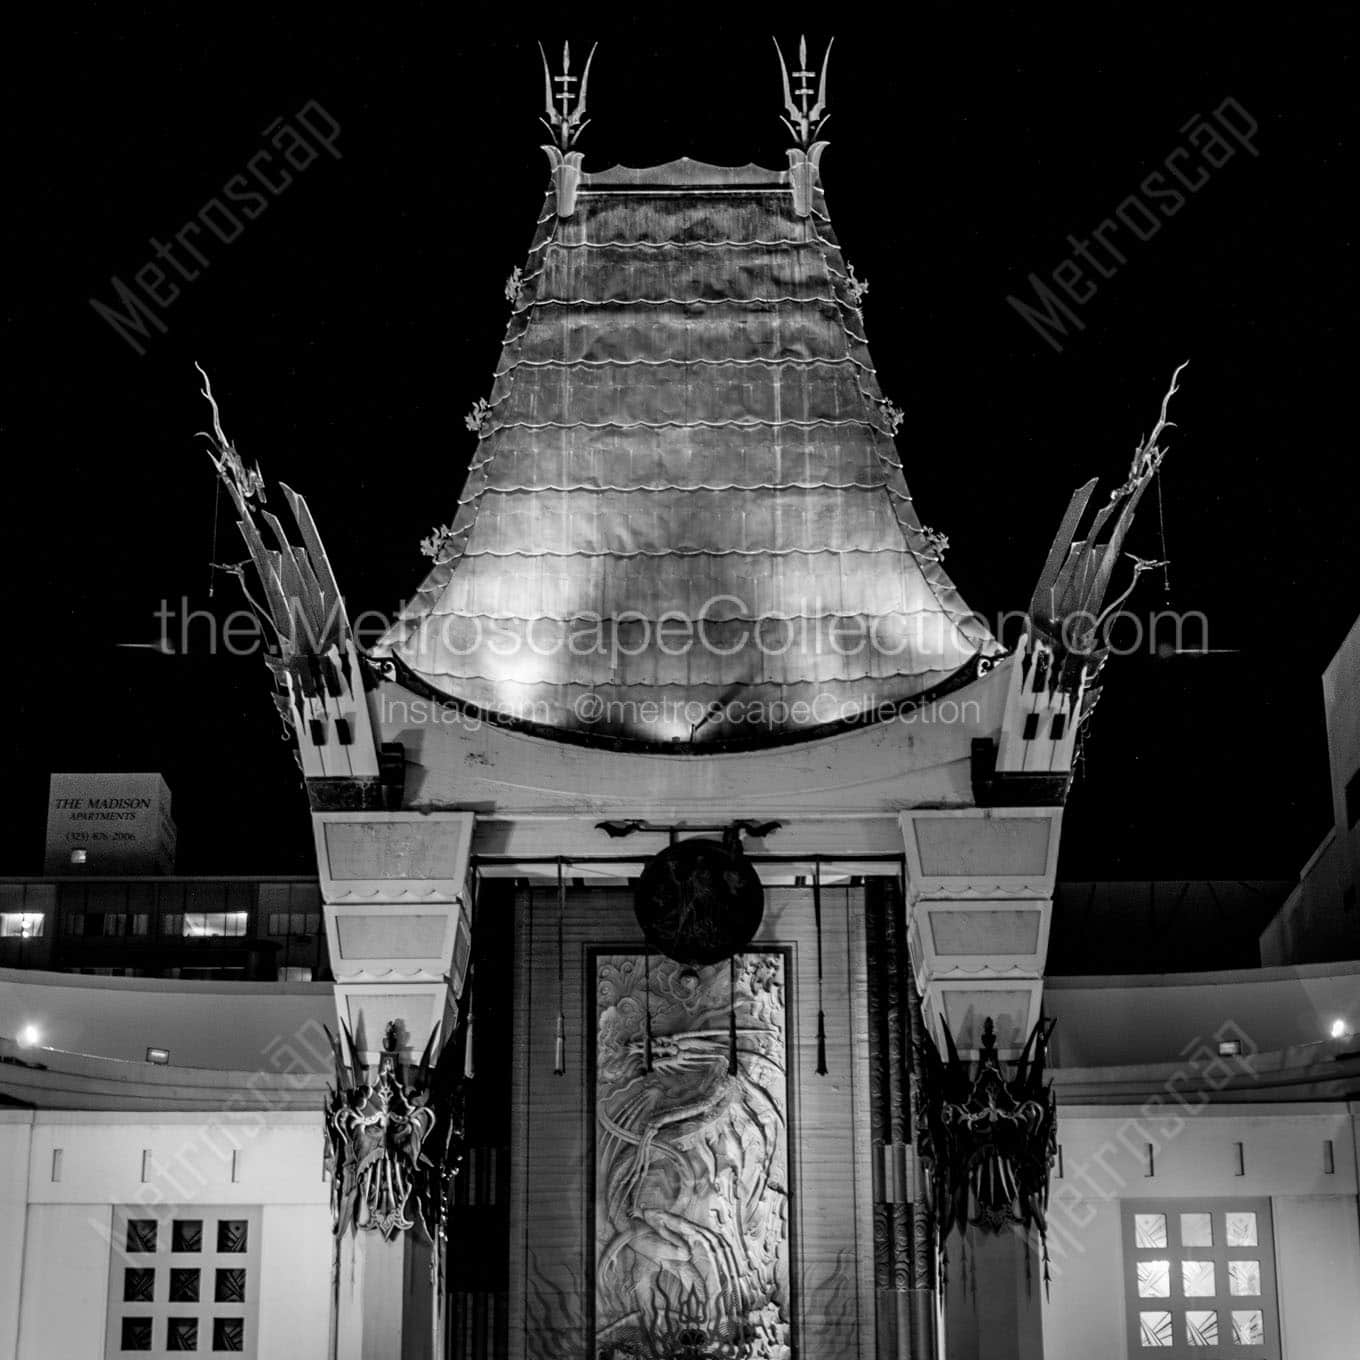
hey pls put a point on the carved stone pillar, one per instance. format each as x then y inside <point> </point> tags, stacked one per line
<point>398,927</point>
<point>979,904</point>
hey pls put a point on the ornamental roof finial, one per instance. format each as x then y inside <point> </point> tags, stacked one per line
<point>567,122</point>
<point>804,119</point>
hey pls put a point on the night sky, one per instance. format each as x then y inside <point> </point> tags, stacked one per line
<point>350,327</point>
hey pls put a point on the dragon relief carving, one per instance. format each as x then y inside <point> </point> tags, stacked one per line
<point>691,1200</point>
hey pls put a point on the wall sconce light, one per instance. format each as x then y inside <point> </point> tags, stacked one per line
<point>1340,1029</point>
<point>30,1036</point>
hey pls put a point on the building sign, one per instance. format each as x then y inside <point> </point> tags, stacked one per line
<point>109,824</point>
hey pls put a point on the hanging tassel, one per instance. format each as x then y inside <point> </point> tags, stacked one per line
<point>469,1070</point>
<point>821,1014</point>
<point>732,1016</point>
<point>647,1011</point>
<point>560,1040</point>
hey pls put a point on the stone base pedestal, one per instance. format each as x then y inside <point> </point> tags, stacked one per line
<point>995,1312</point>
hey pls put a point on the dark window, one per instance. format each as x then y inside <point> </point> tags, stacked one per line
<point>181,1334</point>
<point>1353,799</point>
<point>229,1334</point>
<point>231,1287</point>
<point>294,922</point>
<point>183,1286</point>
<point>139,1286</point>
<point>141,1234</point>
<point>187,1235</point>
<point>231,1234</point>
<point>136,1334</point>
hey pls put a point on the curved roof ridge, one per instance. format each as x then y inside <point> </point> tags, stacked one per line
<point>686,172</point>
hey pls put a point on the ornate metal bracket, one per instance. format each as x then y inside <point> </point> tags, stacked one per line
<point>394,1145</point>
<point>990,1142</point>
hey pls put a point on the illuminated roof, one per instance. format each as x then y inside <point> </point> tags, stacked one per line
<point>686,425</point>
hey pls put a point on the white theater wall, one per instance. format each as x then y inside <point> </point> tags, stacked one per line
<point>1317,1246</point>
<point>54,1249</point>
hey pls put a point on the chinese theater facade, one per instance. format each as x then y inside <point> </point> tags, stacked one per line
<point>687,844</point>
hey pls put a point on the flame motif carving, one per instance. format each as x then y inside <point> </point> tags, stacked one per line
<point>691,1199</point>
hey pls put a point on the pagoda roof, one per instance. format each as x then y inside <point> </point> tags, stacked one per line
<point>686,439</point>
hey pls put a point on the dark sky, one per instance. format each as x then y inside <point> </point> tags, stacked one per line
<point>353,324</point>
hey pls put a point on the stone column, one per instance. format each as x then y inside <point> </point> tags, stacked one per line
<point>979,903</point>
<point>385,1306</point>
<point>992,1299</point>
<point>398,927</point>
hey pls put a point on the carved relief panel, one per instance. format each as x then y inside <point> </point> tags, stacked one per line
<point>691,1214</point>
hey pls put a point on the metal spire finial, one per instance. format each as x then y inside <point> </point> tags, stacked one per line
<point>805,119</point>
<point>567,123</point>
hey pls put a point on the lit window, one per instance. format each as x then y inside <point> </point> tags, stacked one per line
<point>295,973</point>
<point>1154,1279</point>
<point>214,924</point>
<point>21,925</point>
<point>1199,1273</point>
<point>79,856</point>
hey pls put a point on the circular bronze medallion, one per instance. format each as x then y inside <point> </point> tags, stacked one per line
<point>698,902</point>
